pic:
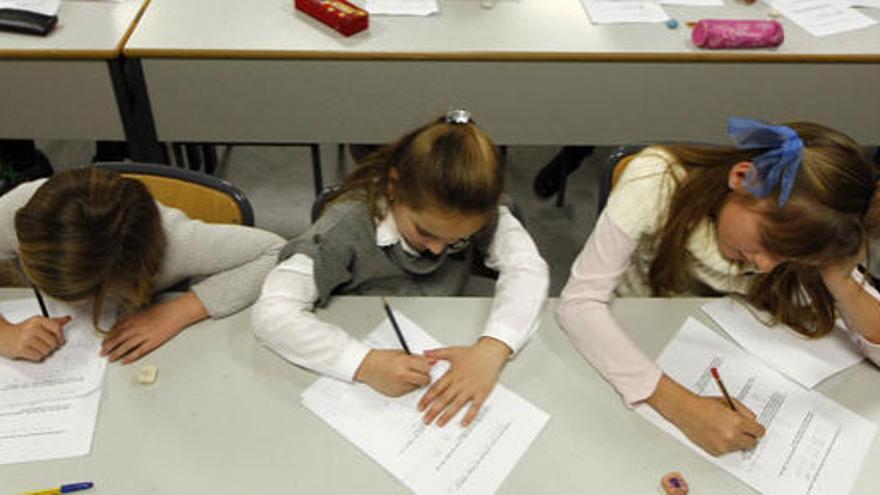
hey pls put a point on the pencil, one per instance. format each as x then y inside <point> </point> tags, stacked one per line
<point>717,378</point>
<point>41,301</point>
<point>395,325</point>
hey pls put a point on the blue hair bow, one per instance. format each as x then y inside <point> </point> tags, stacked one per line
<point>776,167</point>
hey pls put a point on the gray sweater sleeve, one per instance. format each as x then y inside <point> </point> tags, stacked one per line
<point>229,261</point>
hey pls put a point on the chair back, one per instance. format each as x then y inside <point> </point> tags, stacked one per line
<point>612,169</point>
<point>202,197</point>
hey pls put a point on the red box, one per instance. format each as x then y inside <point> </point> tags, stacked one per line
<point>338,14</point>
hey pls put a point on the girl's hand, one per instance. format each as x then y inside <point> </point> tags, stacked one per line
<point>136,335</point>
<point>394,373</point>
<point>708,421</point>
<point>471,377</point>
<point>33,339</point>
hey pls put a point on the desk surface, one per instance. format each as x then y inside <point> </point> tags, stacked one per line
<point>85,30</point>
<point>511,30</point>
<point>225,418</point>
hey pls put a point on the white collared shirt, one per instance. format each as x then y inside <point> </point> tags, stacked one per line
<point>284,321</point>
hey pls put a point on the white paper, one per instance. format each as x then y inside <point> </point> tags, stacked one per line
<point>75,369</point>
<point>806,361</point>
<point>696,3</point>
<point>402,7</point>
<point>428,459</point>
<point>48,430</point>
<point>864,3</point>
<point>624,12</point>
<point>812,445</point>
<point>822,17</point>
<point>45,7</point>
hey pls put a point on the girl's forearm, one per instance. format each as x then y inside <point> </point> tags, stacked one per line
<point>860,309</point>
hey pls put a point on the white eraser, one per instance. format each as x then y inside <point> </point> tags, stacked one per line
<point>147,375</point>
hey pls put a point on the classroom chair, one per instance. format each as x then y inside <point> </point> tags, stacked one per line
<point>201,196</point>
<point>612,169</point>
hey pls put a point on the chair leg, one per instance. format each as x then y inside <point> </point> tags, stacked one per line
<point>316,168</point>
<point>193,156</point>
<point>210,156</point>
<point>179,158</point>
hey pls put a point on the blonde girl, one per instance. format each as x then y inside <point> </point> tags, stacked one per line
<point>88,235</point>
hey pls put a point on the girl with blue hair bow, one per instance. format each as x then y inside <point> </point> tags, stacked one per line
<point>782,218</point>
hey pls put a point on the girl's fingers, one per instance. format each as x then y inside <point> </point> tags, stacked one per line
<point>125,347</point>
<point>140,351</point>
<point>417,379</point>
<point>438,388</point>
<point>46,339</point>
<point>452,409</point>
<point>474,410</point>
<point>439,404</point>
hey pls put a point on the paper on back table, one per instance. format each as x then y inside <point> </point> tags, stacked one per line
<point>806,361</point>
<point>812,445</point>
<point>428,459</point>
<point>73,370</point>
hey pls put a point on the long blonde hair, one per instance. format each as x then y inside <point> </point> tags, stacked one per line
<point>451,166</point>
<point>833,211</point>
<point>87,233</point>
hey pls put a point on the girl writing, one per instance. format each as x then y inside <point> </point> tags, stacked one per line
<point>90,234</point>
<point>410,221</point>
<point>783,218</point>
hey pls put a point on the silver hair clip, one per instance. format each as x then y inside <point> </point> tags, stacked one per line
<point>458,116</point>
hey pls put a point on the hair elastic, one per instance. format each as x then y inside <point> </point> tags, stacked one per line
<point>458,116</point>
<point>777,166</point>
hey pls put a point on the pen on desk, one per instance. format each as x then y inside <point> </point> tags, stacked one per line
<point>68,488</point>
<point>717,378</point>
<point>395,325</point>
<point>41,302</point>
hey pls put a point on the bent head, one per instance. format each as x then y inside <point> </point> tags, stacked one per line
<point>444,183</point>
<point>828,216</point>
<point>87,233</point>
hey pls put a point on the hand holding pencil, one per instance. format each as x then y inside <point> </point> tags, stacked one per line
<point>394,372</point>
<point>709,422</point>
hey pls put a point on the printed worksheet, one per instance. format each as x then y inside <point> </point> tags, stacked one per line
<point>812,444</point>
<point>73,370</point>
<point>48,430</point>
<point>822,17</point>
<point>45,7</point>
<point>401,7</point>
<point>806,361</point>
<point>624,11</point>
<point>428,459</point>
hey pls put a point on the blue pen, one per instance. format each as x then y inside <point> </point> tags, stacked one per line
<point>68,488</point>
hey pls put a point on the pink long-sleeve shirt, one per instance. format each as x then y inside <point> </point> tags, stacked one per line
<point>615,261</point>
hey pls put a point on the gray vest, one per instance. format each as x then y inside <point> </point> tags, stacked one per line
<point>342,246</point>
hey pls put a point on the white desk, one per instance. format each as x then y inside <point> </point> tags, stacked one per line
<point>60,86</point>
<point>225,418</point>
<point>531,71</point>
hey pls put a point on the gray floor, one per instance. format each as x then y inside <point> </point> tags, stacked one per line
<point>278,181</point>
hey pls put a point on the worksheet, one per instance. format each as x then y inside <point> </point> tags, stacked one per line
<point>812,444</point>
<point>428,459</point>
<point>401,7</point>
<point>822,17</point>
<point>804,360</point>
<point>48,430</point>
<point>45,7</point>
<point>624,11</point>
<point>75,369</point>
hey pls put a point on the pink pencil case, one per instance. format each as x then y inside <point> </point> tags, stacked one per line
<point>732,33</point>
